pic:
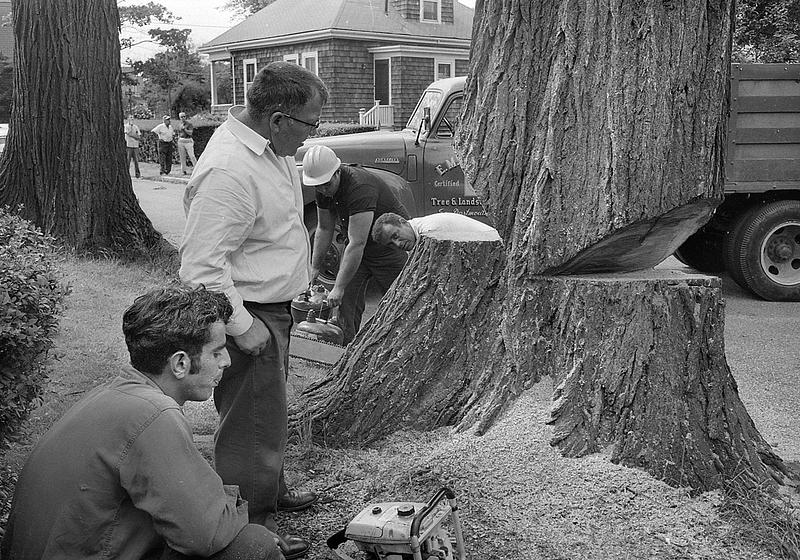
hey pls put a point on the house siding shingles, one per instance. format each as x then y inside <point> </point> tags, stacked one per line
<point>410,77</point>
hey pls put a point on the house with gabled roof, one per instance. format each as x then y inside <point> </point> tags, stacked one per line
<point>375,56</point>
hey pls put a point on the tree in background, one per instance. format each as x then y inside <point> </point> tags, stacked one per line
<point>177,72</point>
<point>64,159</point>
<point>247,7</point>
<point>767,31</point>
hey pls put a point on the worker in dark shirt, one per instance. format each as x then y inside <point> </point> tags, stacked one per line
<point>356,197</point>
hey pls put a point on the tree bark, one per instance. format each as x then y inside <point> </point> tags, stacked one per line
<point>64,160</point>
<point>427,356</point>
<point>584,118</point>
<point>638,362</point>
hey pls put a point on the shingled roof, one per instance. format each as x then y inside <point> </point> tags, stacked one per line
<point>292,20</point>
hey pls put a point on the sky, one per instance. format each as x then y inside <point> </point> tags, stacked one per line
<point>206,19</point>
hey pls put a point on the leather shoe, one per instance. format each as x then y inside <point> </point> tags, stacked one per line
<point>293,546</point>
<point>296,500</point>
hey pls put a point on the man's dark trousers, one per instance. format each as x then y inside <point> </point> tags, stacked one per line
<point>382,268</point>
<point>250,442</point>
<point>165,156</point>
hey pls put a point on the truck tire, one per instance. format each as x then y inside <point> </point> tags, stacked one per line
<point>702,251</point>
<point>731,245</point>
<point>769,251</point>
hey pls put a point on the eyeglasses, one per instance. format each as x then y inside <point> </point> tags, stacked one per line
<point>312,125</point>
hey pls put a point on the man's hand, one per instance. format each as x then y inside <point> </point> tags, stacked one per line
<point>335,296</point>
<point>255,339</point>
<point>314,276</point>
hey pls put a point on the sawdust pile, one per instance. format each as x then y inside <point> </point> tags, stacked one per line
<point>520,499</point>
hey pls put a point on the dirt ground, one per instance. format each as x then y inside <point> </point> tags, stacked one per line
<point>520,498</point>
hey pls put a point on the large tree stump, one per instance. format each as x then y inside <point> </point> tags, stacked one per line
<point>430,356</point>
<point>638,362</point>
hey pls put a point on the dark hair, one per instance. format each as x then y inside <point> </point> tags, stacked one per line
<point>283,86</point>
<point>169,319</point>
<point>379,234</point>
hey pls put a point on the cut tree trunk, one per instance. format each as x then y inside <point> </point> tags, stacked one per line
<point>64,159</point>
<point>638,362</point>
<point>427,356</point>
<point>593,133</point>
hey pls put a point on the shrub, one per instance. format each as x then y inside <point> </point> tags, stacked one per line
<point>31,300</point>
<point>141,111</point>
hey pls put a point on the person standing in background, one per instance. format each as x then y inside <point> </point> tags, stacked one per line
<point>166,134</point>
<point>186,142</point>
<point>132,137</point>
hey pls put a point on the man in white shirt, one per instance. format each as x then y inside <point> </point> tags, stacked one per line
<point>392,229</point>
<point>166,134</point>
<point>245,236</point>
<point>132,137</point>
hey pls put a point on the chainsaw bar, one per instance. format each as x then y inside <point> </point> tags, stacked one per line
<point>314,350</point>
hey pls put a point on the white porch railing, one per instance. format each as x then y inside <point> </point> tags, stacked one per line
<point>381,116</point>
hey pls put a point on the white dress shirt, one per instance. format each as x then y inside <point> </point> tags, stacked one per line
<point>245,233</point>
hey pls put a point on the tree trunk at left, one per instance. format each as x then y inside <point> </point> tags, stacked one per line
<point>64,160</point>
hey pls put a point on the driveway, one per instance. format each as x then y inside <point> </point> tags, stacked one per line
<point>761,338</point>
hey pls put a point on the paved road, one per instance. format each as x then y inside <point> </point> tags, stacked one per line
<point>762,338</point>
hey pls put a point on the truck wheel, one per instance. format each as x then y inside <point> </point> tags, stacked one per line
<point>769,251</point>
<point>702,251</point>
<point>732,244</point>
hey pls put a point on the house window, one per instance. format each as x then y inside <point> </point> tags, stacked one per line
<point>293,58</point>
<point>444,68</point>
<point>431,11</point>
<point>309,62</point>
<point>221,83</point>
<point>249,74</point>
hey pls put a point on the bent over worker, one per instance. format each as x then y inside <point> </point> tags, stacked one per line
<point>356,197</point>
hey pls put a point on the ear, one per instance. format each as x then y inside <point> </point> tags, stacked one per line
<point>179,364</point>
<point>274,120</point>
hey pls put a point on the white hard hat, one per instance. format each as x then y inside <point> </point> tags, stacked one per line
<point>319,165</point>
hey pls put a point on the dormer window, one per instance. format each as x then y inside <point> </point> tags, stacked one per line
<point>430,11</point>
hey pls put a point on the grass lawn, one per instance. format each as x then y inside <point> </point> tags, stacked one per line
<point>520,499</point>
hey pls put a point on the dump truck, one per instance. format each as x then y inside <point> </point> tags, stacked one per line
<point>754,234</point>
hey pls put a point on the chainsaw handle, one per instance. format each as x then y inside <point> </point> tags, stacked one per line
<point>445,492</point>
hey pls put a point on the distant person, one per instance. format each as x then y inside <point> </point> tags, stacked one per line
<point>166,135</point>
<point>132,137</point>
<point>186,142</point>
<point>245,235</point>
<point>357,197</point>
<point>119,476</point>
<point>392,229</point>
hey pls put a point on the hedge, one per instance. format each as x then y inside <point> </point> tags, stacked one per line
<point>31,301</point>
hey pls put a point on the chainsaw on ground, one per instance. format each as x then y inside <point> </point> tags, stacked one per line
<point>405,531</point>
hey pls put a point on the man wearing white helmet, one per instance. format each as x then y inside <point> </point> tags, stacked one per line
<point>357,197</point>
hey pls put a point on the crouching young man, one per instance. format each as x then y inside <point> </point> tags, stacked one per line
<point>119,476</point>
